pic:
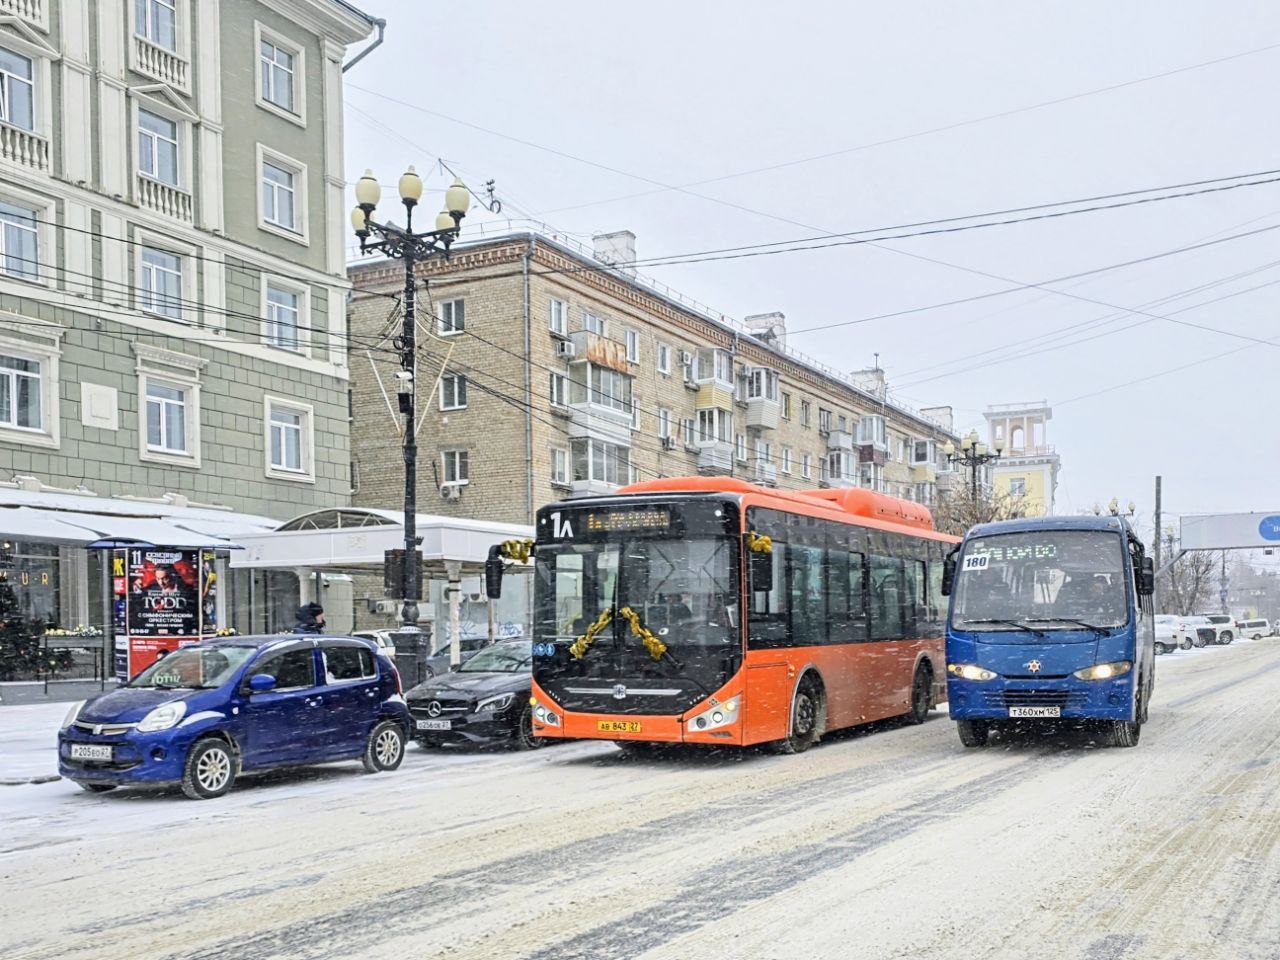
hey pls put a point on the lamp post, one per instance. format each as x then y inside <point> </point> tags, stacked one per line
<point>973,453</point>
<point>403,244</point>
<point>1113,508</point>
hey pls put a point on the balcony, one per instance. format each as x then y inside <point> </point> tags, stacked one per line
<point>766,473</point>
<point>838,482</point>
<point>590,488</point>
<point>713,394</point>
<point>156,61</point>
<point>715,458</point>
<point>24,147</point>
<point>839,440</point>
<point>763,414</point>
<point>33,11</point>
<point>162,197</point>
<point>924,473</point>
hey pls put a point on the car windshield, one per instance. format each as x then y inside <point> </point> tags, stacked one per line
<point>501,658</point>
<point>194,668</point>
<point>1046,579</point>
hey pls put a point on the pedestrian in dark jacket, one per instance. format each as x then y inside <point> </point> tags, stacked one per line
<point>310,619</point>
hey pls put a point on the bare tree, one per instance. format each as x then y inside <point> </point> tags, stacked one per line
<point>958,509</point>
<point>1186,586</point>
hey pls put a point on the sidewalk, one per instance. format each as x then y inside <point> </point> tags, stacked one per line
<point>28,742</point>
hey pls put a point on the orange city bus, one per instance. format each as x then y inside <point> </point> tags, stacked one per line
<point>639,635</point>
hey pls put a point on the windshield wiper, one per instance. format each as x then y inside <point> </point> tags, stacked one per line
<point>1081,623</point>
<point>1021,625</point>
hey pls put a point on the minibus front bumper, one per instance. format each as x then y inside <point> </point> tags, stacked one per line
<point>1066,698</point>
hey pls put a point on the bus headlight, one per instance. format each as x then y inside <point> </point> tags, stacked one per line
<point>1104,671</point>
<point>969,671</point>
<point>721,715</point>
<point>544,715</point>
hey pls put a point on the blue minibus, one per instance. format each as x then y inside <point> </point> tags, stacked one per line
<point>1050,619</point>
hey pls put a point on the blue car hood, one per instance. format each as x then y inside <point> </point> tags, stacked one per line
<point>129,704</point>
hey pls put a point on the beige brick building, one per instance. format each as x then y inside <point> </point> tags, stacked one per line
<point>546,372</point>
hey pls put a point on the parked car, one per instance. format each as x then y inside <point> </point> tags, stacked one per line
<point>1224,627</point>
<point>1253,629</point>
<point>1172,633</point>
<point>439,662</point>
<point>1200,630</point>
<point>207,712</point>
<point>383,638</point>
<point>486,700</point>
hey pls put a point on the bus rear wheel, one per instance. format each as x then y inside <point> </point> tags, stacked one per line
<point>1124,733</point>
<point>973,733</point>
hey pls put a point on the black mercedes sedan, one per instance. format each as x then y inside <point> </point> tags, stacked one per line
<point>484,701</point>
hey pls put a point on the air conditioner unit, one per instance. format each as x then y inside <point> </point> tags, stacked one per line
<point>669,443</point>
<point>566,349</point>
<point>451,491</point>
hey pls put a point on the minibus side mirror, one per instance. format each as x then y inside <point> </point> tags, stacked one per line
<point>1147,577</point>
<point>493,573</point>
<point>948,575</point>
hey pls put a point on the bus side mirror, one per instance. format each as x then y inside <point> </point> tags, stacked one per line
<point>948,575</point>
<point>493,573</point>
<point>760,567</point>
<point>1147,577</point>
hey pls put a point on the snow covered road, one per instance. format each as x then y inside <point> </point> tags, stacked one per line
<point>893,842</point>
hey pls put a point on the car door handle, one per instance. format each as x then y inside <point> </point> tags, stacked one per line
<point>313,701</point>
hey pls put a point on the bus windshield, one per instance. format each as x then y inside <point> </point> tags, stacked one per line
<point>1042,580</point>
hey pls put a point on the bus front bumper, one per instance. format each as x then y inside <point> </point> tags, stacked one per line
<point>1067,699</point>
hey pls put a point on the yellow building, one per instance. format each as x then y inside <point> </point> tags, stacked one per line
<point>1029,467</point>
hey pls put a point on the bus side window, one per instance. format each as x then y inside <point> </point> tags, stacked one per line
<point>836,584</point>
<point>886,598</point>
<point>768,609</point>
<point>808,606</point>
<point>916,615</point>
<point>937,602</point>
<point>858,595</point>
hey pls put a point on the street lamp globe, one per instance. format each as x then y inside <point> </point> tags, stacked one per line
<point>445,221</point>
<point>948,449</point>
<point>980,450</point>
<point>368,191</point>
<point>410,187</point>
<point>1097,510</point>
<point>1114,506</point>
<point>999,445</point>
<point>360,222</point>
<point>457,199</point>
<point>1132,507</point>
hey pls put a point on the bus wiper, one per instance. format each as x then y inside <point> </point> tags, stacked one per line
<point>1081,623</point>
<point>1020,624</point>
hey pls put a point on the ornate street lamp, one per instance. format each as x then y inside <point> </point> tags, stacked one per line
<point>403,244</point>
<point>973,453</point>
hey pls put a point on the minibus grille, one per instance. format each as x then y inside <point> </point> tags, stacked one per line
<point>1035,698</point>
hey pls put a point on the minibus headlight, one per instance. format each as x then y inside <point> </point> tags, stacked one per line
<point>969,671</point>
<point>1104,671</point>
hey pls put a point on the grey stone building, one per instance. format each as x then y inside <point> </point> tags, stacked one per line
<point>172,278</point>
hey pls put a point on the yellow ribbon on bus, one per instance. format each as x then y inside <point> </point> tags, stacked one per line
<point>578,648</point>
<point>655,646</point>
<point>517,550</point>
<point>759,543</point>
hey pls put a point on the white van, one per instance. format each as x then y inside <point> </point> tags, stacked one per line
<point>1254,629</point>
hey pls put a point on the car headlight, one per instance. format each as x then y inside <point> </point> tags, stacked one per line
<point>74,712</point>
<point>163,717</point>
<point>500,702</point>
<point>970,671</point>
<point>1104,671</point>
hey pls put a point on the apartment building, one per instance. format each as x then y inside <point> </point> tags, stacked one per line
<point>549,370</point>
<point>1029,465</point>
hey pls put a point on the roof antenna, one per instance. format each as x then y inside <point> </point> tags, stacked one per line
<point>877,356</point>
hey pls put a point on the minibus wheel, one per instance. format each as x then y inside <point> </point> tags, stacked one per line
<point>1124,733</point>
<point>973,733</point>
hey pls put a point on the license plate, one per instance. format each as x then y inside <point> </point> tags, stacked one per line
<point>618,726</point>
<point>1035,711</point>
<point>87,751</point>
<point>435,724</point>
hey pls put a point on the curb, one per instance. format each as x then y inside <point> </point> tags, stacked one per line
<point>47,778</point>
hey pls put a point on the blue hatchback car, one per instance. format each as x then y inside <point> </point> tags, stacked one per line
<point>207,712</point>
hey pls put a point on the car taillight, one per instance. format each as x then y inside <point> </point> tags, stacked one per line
<point>399,685</point>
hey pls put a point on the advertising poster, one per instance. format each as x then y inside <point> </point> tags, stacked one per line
<point>169,591</point>
<point>119,612</point>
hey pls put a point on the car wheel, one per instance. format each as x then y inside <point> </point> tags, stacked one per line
<point>921,696</point>
<point>209,770</point>
<point>1123,733</point>
<point>385,748</point>
<point>1226,637</point>
<point>1198,641</point>
<point>1161,648</point>
<point>1186,643</point>
<point>96,787</point>
<point>804,720</point>
<point>524,737</point>
<point>973,733</point>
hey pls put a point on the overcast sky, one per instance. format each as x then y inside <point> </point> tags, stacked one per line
<point>674,93</point>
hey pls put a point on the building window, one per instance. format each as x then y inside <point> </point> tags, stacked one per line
<point>279,195</point>
<point>786,405</point>
<point>871,430</point>
<point>603,386</point>
<point>283,313</point>
<point>157,21</point>
<point>740,447</point>
<point>715,364</point>
<point>922,451</point>
<point>166,418</point>
<point>290,440</point>
<point>664,358</point>
<point>453,392</point>
<point>635,412</point>
<point>286,440</point>
<point>276,65</point>
<point>840,465</point>
<point>715,425</point>
<point>19,242</point>
<point>824,420</point>
<point>763,453</point>
<point>1017,486</point>
<point>632,339</point>
<point>161,291</point>
<point>805,467</point>
<point>664,423</point>
<point>557,313</point>
<point>762,384</point>
<point>842,423</point>
<point>17,90</point>
<point>596,460</point>
<point>21,388</point>
<point>453,318</point>
<point>786,460</point>
<point>158,147</point>
<point>559,390</point>
<point>457,467</point>
<point>593,323</point>
<point>688,429</point>
<point>804,413</point>
<point>559,465</point>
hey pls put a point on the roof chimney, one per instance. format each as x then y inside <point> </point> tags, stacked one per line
<point>872,380</point>
<point>617,249</point>
<point>770,328</point>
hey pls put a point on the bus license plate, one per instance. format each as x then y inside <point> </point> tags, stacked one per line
<point>1035,711</point>
<point>85,751</point>
<point>618,726</point>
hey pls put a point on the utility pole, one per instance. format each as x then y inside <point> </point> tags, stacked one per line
<point>1222,584</point>
<point>1155,596</point>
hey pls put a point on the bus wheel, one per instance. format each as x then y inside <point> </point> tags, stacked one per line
<point>921,694</point>
<point>973,733</point>
<point>1124,733</point>
<point>804,720</point>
